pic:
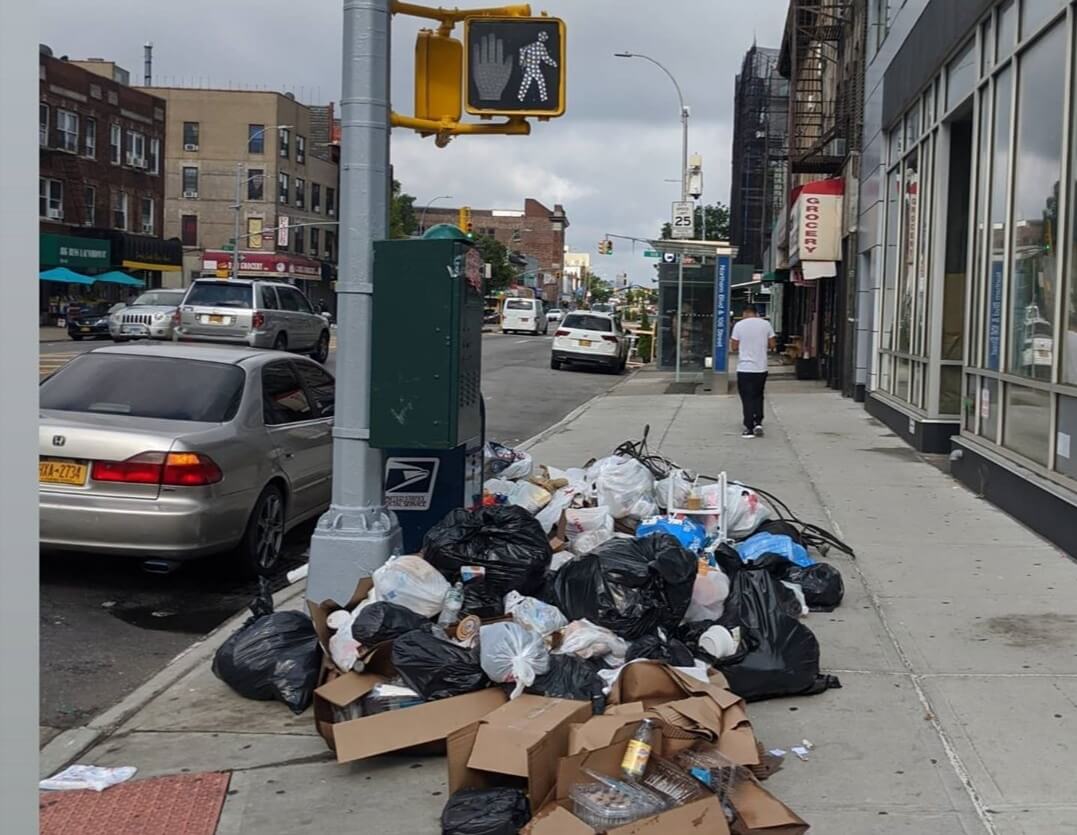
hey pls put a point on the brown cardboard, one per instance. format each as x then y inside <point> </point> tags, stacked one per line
<point>524,738</point>
<point>320,612</point>
<point>558,536</point>
<point>398,730</point>
<point>761,813</point>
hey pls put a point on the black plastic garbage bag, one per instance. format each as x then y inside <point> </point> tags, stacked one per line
<point>781,528</point>
<point>505,541</point>
<point>383,621</point>
<point>435,668</point>
<point>630,586</point>
<point>669,651</point>
<point>782,657</point>
<point>570,677</point>
<point>272,656</point>
<point>822,585</point>
<point>485,812</point>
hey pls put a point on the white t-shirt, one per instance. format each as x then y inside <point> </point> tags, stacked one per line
<point>753,333</point>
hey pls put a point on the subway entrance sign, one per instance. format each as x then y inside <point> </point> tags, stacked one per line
<point>514,66</point>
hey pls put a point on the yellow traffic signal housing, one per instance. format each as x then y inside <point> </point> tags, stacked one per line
<point>439,70</point>
<point>514,66</point>
<point>464,219</point>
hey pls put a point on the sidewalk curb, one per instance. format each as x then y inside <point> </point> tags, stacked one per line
<point>66,747</point>
<point>554,429</point>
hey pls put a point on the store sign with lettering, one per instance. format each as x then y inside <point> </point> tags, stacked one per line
<point>815,228</point>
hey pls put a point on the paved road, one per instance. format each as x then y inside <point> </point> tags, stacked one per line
<point>106,626</point>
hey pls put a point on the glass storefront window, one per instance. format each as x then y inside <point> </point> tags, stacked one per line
<point>961,76</point>
<point>983,167</point>
<point>997,236</point>
<point>950,390</point>
<point>910,226</point>
<point>987,48</point>
<point>970,404</point>
<point>923,238</point>
<point>912,127</point>
<point>1028,422</point>
<point>1036,12</point>
<point>1037,174</point>
<point>885,361</point>
<point>989,409</point>
<point>901,379</point>
<point>890,262</point>
<point>1065,447</point>
<point>1007,29</point>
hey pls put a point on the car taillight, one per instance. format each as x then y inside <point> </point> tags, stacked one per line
<point>181,469</point>
<point>258,319</point>
<point>610,338</point>
<point>560,332</point>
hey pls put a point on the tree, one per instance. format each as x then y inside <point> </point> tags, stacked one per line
<point>601,290</point>
<point>717,223</point>
<point>645,345</point>
<point>496,254</point>
<point>402,221</point>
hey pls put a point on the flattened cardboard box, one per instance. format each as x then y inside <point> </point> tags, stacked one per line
<point>522,739</point>
<point>761,813</point>
<point>701,817</point>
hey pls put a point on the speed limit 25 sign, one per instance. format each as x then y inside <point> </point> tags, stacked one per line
<point>684,220</point>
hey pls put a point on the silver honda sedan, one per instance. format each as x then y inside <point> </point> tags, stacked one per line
<point>166,452</point>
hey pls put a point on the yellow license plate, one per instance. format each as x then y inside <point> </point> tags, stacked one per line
<point>585,343</point>
<point>53,471</point>
<point>215,319</point>
<point>84,330</point>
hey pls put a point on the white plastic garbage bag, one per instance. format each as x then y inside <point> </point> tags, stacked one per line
<point>560,558</point>
<point>343,648</point>
<point>550,515</point>
<point>798,592</point>
<point>522,467</point>
<point>533,614</point>
<point>623,485</point>
<point>746,511</point>
<point>96,777</point>
<point>587,527</point>
<point>682,490</point>
<point>530,497</point>
<point>510,653</point>
<point>585,639</point>
<point>708,595</point>
<point>412,582</point>
<point>498,486</point>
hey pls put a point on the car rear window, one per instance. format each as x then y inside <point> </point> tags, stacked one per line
<point>587,323</point>
<point>519,304</point>
<point>160,298</point>
<point>165,388</point>
<point>219,294</point>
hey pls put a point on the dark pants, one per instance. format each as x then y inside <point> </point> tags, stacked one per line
<point>750,385</point>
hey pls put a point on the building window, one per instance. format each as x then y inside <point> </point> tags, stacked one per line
<point>113,97</point>
<point>89,196</point>
<point>43,124</point>
<point>67,128</point>
<point>155,156</point>
<point>190,136</point>
<point>330,243</point>
<point>254,232</point>
<point>147,215</point>
<point>300,192</point>
<point>189,230</point>
<point>284,137</point>
<point>89,134</point>
<point>316,197</point>
<point>50,198</point>
<point>115,141</point>
<point>95,91</point>
<point>282,188</point>
<point>255,184</point>
<point>299,242</point>
<point>119,209</point>
<point>190,181</point>
<point>256,139</point>
<point>136,149</point>
<point>300,149</point>
<point>330,201</point>
<point>314,240</point>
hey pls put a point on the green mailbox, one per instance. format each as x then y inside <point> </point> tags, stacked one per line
<point>427,342</point>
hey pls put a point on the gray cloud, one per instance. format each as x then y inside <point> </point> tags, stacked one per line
<point>606,160</point>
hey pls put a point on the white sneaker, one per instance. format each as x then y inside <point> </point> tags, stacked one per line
<point>758,431</point>
<point>747,434</point>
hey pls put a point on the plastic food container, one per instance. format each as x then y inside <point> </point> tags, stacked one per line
<point>711,768</point>
<point>608,803</point>
<point>386,697</point>
<point>673,782</point>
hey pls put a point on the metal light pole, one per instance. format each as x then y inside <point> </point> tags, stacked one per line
<point>358,534</point>
<point>240,182</point>
<point>684,196</point>
<point>422,217</point>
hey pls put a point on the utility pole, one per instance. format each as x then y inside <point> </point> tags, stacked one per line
<point>358,534</point>
<point>239,211</point>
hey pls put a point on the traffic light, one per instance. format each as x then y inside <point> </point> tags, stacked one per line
<point>464,220</point>
<point>602,247</point>
<point>605,247</point>
<point>514,66</point>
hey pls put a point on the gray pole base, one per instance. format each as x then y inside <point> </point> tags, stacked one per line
<point>348,545</point>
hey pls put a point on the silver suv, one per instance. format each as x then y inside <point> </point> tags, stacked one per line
<point>261,314</point>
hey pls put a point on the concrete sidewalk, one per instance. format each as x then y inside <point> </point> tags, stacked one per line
<point>955,645</point>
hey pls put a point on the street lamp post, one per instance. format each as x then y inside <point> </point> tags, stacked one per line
<point>422,217</point>
<point>240,182</point>
<point>684,197</point>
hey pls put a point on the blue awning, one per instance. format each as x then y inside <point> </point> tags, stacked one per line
<point>117,277</point>
<point>65,276</point>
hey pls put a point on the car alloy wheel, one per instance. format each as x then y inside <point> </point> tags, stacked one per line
<point>281,342</point>
<point>321,352</point>
<point>268,530</point>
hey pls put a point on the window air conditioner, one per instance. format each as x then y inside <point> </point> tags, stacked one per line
<point>147,228</point>
<point>55,214</point>
<point>190,194</point>
<point>190,146</point>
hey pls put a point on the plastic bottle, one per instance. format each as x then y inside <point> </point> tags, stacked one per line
<point>454,602</point>
<point>638,751</point>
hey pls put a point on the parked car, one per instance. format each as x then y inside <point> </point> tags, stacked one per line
<point>602,307</point>
<point>522,315</point>
<point>554,314</point>
<point>89,322</point>
<point>589,338</point>
<point>148,317</point>
<point>259,314</point>
<point>167,452</point>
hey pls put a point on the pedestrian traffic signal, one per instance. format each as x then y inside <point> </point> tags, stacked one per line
<point>514,66</point>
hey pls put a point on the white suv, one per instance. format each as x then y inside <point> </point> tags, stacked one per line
<point>590,338</point>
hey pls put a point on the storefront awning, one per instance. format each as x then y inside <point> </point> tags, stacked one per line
<point>117,277</point>
<point>818,269</point>
<point>65,276</point>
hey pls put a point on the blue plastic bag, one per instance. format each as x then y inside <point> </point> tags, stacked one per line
<point>691,534</point>
<point>761,544</point>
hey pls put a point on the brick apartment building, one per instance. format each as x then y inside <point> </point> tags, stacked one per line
<point>536,233</point>
<point>287,155</point>
<point>102,146</point>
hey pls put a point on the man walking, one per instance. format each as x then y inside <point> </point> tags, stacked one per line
<point>752,338</point>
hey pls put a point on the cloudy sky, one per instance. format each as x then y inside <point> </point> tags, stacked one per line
<point>606,160</point>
